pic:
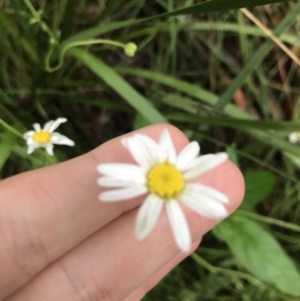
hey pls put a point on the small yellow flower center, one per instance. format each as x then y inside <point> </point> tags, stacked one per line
<point>165,180</point>
<point>42,137</point>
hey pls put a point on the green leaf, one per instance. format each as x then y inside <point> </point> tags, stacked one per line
<point>260,253</point>
<point>116,82</point>
<point>6,146</point>
<point>259,184</point>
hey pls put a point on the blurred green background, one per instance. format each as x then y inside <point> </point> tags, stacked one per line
<point>204,67</point>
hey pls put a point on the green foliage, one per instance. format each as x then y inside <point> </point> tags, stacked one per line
<point>259,252</point>
<point>259,184</point>
<point>110,77</point>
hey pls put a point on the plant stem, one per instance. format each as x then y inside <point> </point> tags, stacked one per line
<point>269,220</point>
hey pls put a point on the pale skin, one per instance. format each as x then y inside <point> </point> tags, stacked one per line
<point>59,242</point>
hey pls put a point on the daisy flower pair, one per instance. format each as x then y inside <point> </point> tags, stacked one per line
<point>163,176</point>
<point>166,179</point>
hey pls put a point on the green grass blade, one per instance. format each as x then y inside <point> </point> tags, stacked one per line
<point>292,39</point>
<point>241,124</point>
<point>116,82</point>
<point>257,130</point>
<point>6,146</point>
<point>7,25</point>
<point>217,5</point>
<point>257,57</point>
<point>189,89</point>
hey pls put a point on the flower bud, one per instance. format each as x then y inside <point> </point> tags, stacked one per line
<point>130,49</point>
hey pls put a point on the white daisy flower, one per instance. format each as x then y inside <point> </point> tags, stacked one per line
<point>46,137</point>
<point>166,178</point>
<point>294,137</point>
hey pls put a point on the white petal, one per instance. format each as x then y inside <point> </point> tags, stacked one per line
<point>147,216</point>
<point>57,138</point>
<point>123,194</point>
<point>123,171</point>
<point>199,160</point>
<point>138,152</point>
<point>113,182</point>
<point>200,189</point>
<point>48,125</point>
<point>124,141</point>
<point>187,155</point>
<point>151,148</point>
<point>31,148</point>
<point>207,165</point>
<point>56,124</point>
<point>28,134</point>
<point>49,149</point>
<point>37,127</point>
<point>167,147</point>
<point>204,205</point>
<point>179,225</point>
<point>30,140</point>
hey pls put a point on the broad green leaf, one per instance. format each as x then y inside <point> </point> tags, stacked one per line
<point>258,56</point>
<point>117,83</point>
<point>259,184</point>
<point>7,144</point>
<point>260,253</point>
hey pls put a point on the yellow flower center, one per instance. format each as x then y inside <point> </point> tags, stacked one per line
<point>165,180</point>
<point>42,137</point>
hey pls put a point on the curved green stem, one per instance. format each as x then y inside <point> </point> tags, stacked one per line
<point>75,44</point>
<point>231,273</point>
<point>10,129</point>
<point>269,220</point>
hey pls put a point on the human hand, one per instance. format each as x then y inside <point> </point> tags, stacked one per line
<point>58,242</point>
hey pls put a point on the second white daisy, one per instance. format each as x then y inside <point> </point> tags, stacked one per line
<point>166,178</point>
<point>46,137</point>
